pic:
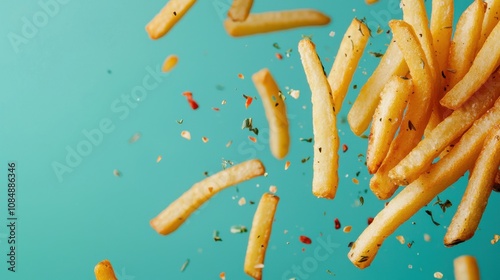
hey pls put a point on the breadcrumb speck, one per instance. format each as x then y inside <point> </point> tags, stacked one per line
<point>401,239</point>
<point>186,134</point>
<point>273,189</point>
<point>438,275</point>
<point>242,201</point>
<point>117,173</point>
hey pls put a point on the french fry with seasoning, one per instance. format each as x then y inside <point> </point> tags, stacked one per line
<point>466,268</point>
<point>178,211</point>
<point>423,190</point>
<point>470,210</point>
<point>275,108</point>
<point>259,235</point>
<point>104,271</point>
<point>240,9</point>
<point>350,52</point>
<point>326,139</point>
<point>418,110</point>
<point>463,47</point>
<point>363,108</point>
<point>257,23</point>
<point>483,66</point>
<point>441,30</point>
<point>386,120</point>
<point>169,63</point>
<point>168,17</point>
<point>450,129</point>
<point>490,20</point>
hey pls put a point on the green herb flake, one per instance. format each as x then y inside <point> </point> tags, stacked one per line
<point>288,52</point>
<point>428,212</point>
<point>376,54</point>
<point>304,160</point>
<point>443,205</point>
<point>308,140</point>
<point>362,200</point>
<point>247,123</point>
<point>184,265</point>
<point>216,236</point>
<point>379,30</point>
<point>330,272</point>
<point>276,46</point>
<point>180,121</point>
<point>225,163</point>
<point>238,229</point>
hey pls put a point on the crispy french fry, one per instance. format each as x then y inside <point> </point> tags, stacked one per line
<point>470,211</point>
<point>441,30</point>
<point>483,66</point>
<point>386,120</point>
<point>173,11</point>
<point>491,18</point>
<point>361,113</point>
<point>240,9</point>
<point>423,190</point>
<point>421,157</point>
<point>326,140</point>
<point>259,235</point>
<point>104,271</point>
<point>350,51</point>
<point>274,106</point>
<point>418,111</point>
<point>466,268</point>
<point>169,63</point>
<point>463,48</point>
<point>257,23</point>
<point>178,211</point>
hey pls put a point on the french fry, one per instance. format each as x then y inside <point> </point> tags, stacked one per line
<point>463,48</point>
<point>257,23</point>
<point>173,11</point>
<point>470,210</point>
<point>490,20</point>
<point>466,268</point>
<point>169,63</point>
<point>441,30</point>
<point>363,108</point>
<point>421,157</point>
<point>274,106</point>
<point>240,9</point>
<point>483,66</point>
<point>104,271</point>
<point>418,111</point>
<point>371,2</point>
<point>326,140</point>
<point>259,235</point>
<point>423,190</point>
<point>350,51</point>
<point>178,211</point>
<point>386,120</point>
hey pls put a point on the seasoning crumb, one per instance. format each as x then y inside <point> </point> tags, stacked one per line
<point>279,56</point>
<point>287,165</point>
<point>253,139</point>
<point>344,148</point>
<point>337,223</point>
<point>438,275</point>
<point>304,239</point>
<point>273,189</point>
<point>204,139</point>
<point>158,159</point>
<point>347,229</point>
<point>184,265</point>
<point>216,236</point>
<point>427,237</point>
<point>495,239</point>
<point>222,276</point>
<point>401,239</point>
<point>134,138</point>
<point>238,229</point>
<point>241,76</point>
<point>242,201</point>
<point>228,144</point>
<point>117,173</point>
<point>355,181</point>
<point>294,93</point>
<point>186,134</point>
<point>331,34</point>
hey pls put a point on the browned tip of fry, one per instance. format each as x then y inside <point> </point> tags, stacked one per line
<point>240,9</point>
<point>104,271</point>
<point>257,23</point>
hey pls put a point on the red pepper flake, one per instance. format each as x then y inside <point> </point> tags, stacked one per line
<point>279,56</point>
<point>337,223</point>
<point>370,220</point>
<point>410,244</point>
<point>241,76</point>
<point>215,109</point>
<point>304,239</point>
<point>189,97</point>
<point>253,139</point>
<point>344,148</point>
<point>248,101</point>
<point>222,276</point>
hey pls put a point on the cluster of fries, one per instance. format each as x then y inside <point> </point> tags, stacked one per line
<point>443,94</point>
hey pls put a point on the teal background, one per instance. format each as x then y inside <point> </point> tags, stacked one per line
<point>65,79</point>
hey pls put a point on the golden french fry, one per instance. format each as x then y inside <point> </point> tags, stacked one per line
<point>350,51</point>
<point>418,111</point>
<point>361,113</point>
<point>441,30</point>
<point>386,120</point>
<point>483,66</point>
<point>463,48</point>
<point>326,139</point>
<point>275,21</point>
<point>423,190</point>
<point>421,157</point>
<point>178,211</point>
<point>490,20</point>
<point>169,63</point>
<point>274,106</point>
<point>259,235</point>
<point>104,271</point>
<point>240,9</point>
<point>466,268</point>
<point>173,11</point>
<point>471,208</point>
